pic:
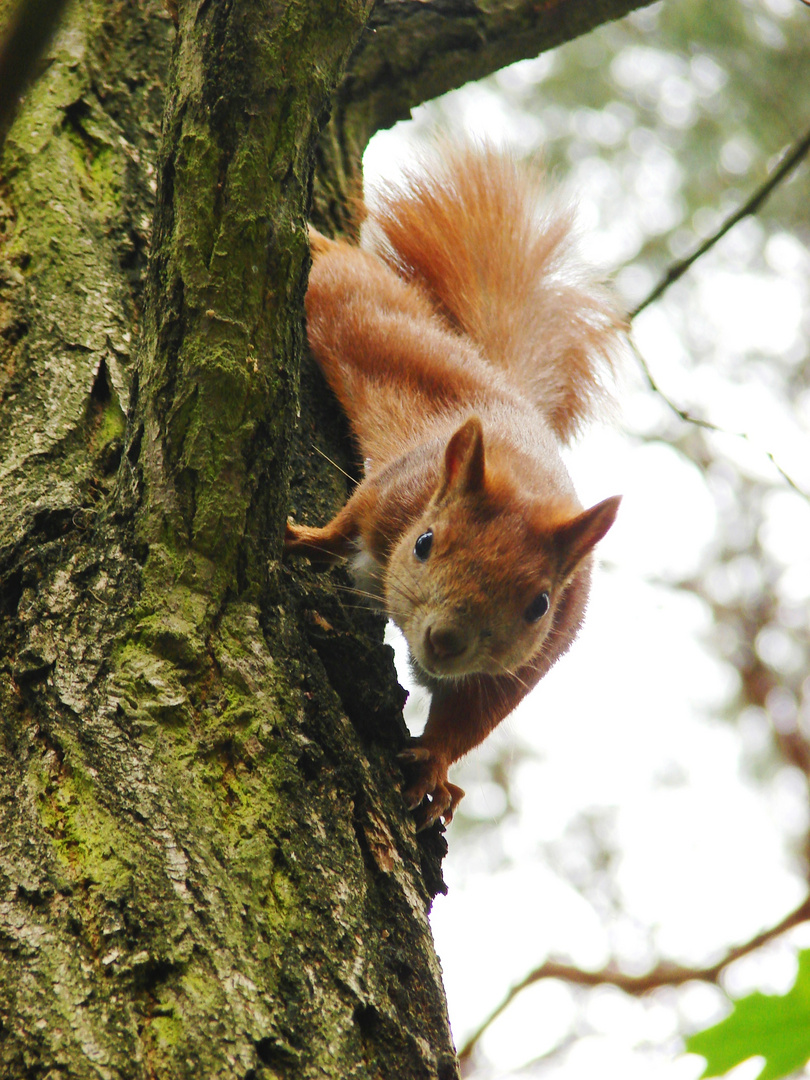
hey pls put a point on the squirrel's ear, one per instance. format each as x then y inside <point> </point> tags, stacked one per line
<point>464,460</point>
<point>575,538</point>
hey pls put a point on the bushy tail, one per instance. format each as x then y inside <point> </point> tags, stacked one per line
<point>494,253</point>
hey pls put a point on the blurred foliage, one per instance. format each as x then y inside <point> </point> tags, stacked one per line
<point>775,1027</point>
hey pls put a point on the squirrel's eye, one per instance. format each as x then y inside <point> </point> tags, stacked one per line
<point>421,548</point>
<point>537,608</point>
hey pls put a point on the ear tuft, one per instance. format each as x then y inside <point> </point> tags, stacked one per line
<point>577,537</point>
<point>464,460</point>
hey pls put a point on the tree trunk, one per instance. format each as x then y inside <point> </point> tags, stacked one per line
<point>206,868</point>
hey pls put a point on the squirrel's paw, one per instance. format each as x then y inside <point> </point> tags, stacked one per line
<point>296,539</point>
<point>304,540</point>
<point>430,784</point>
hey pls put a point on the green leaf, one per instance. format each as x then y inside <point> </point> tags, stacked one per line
<point>776,1027</point>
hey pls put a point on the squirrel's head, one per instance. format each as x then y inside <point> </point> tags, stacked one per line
<point>476,583</point>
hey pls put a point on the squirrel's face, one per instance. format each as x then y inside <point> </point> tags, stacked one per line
<point>472,595</point>
<point>475,583</point>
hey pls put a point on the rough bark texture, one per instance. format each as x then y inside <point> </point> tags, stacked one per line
<point>205,865</point>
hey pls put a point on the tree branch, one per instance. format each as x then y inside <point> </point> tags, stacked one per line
<point>663,974</point>
<point>413,51</point>
<point>789,162</point>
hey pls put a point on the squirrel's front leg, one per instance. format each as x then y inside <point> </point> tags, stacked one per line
<point>331,542</point>
<point>462,713</point>
<point>453,727</point>
<point>338,539</point>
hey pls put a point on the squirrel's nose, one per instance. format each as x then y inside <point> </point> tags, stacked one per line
<point>446,641</point>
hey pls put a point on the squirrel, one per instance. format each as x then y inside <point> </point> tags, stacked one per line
<point>466,345</point>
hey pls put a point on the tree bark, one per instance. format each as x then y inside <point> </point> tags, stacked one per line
<point>205,865</point>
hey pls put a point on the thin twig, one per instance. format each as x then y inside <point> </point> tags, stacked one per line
<point>707,425</point>
<point>789,162</point>
<point>663,974</point>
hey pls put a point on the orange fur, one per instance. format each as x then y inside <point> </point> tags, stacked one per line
<point>465,344</point>
<point>493,250</point>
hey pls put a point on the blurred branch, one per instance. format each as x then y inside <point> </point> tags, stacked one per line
<point>663,974</point>
<point>789,162</point>
<point>30,29</point>
<point>707,425</point>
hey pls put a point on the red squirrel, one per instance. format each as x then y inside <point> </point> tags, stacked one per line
<point>466,344</point>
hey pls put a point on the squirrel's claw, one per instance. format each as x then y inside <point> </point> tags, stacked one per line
<point>443,801</point>
<point>431,794</point>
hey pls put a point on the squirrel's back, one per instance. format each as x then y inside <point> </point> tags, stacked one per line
<point>494,253</point>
